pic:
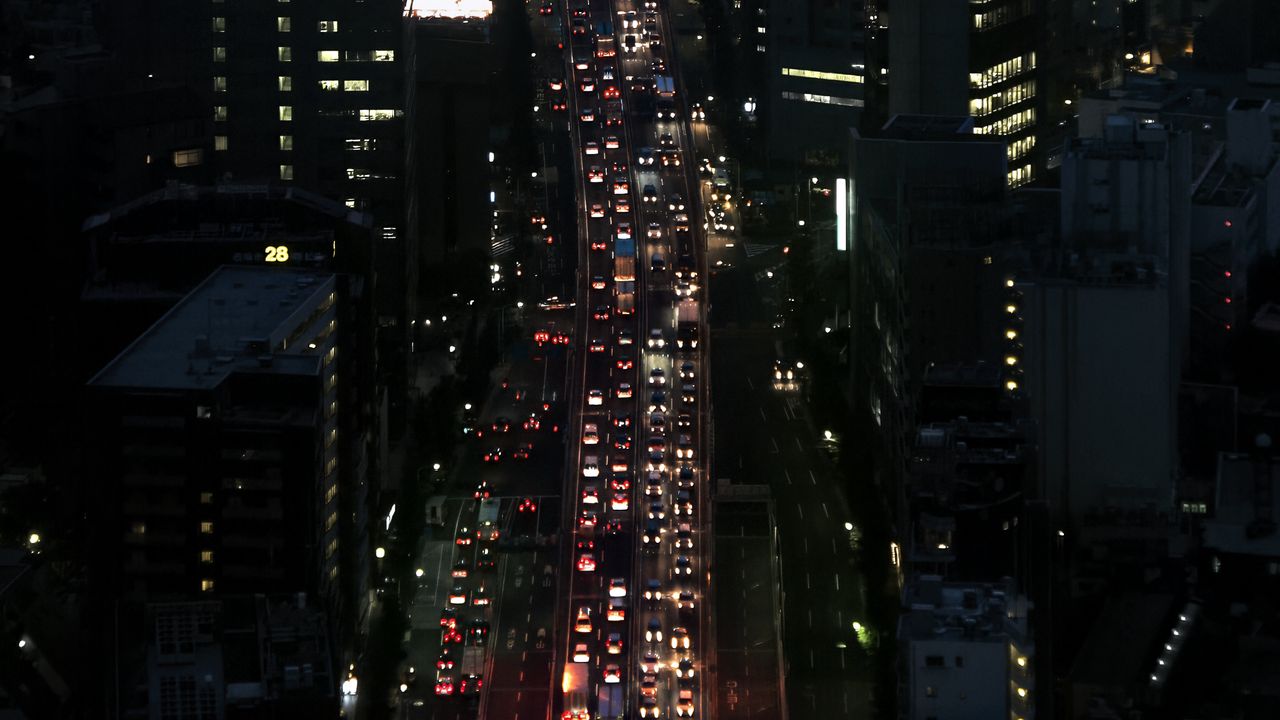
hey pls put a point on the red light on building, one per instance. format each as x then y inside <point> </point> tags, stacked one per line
<point>1226,273</point>
<point>1226,300</point>
<point>1226,223</point>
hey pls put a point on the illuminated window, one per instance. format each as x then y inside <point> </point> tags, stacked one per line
<point>331,493</point>
<point>1002,71</point>
<point>219,83</point>
<point>1019,148</point>
<point>327,26</point>
<point>362,144</point>
<point>822,99</point>
<point>284,53</point>
<point>206,585</point>
<point>1020,176</point>
<point>373,114</point>
<point>206,528</point>
<point>284,83</point>
<point>1008,125</point>
<point>286,172</point>
<point>331,521</point>
<point>330,84</point>
<point>332,548</point>
<point>220,142</point>
<point>283,24</point>
<point>1012,95</point>
<point>327,55</point>
<point>356,85</point>
<point>333,573</point>
<point>206,556</point>
<point>286,142</point>
<point>206,498</point>
<point>219,54</point>
<point>286,113</point>
<point>139,528</point>
<point>350,202</point>
<point>384,55</point>
<point>220,113</point>
<point>187,158</point>
<point>219,24</point>
<point>821,75</point>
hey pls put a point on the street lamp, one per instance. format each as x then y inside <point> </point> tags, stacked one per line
<point>380,552</point>
<point>435,466</point>
<point>419,572</point>
<point>827,435</point>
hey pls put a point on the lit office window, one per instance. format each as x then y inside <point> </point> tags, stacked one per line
<point>220,113</point>
<point>286,172</point>
<point>284,53</point>
<point>327,55</point>
<point>187,158</point>
<point>206,585</point>
<point>220,142</point>
<point>286,113</point>
<point>284,83</point>
<point>283,24</point>
<point>822,75</point>
<point>384,55</point>
<point>373,114</point>
<point>330,85</point>
<point>206,498</point>
<point>356,86</point>
<point>359,144</point>
<point>219,83</point>
<point>327,26</point>
<point>206,528</point>
<point>219,24</point>
<point>139,528</point>
<point>286,142</point>
<point>206,556</point>
<point>219,54</point>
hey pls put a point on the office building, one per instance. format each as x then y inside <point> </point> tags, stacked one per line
<point>966,651</point>
<point>451,62</point>
<point>978,59</point>
<point>1240,535</point>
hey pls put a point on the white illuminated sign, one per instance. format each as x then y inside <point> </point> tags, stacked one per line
<point>448,8</point>
<point>842,214</point>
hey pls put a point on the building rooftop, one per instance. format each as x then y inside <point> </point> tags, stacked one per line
<point>238,320</point>
<point>1246,506</point>
<point>924,127</point>
<point>978,612</point>
<point>1120,647</point>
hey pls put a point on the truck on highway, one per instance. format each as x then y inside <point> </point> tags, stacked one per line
<point>687,325</point>
<point>609,705</point>
<point>605,47</point>
<point>624,260</point>
<point>626,299</point>
<point>664,86</point>
<point>471,677</point>
<point>575,686</point>
<point>488,520</point>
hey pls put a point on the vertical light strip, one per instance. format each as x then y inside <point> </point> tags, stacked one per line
<point>842,214</point>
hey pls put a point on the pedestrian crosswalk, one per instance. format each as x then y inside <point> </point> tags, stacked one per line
<point>754,249</point>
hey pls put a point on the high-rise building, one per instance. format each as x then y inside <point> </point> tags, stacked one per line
<point>979,59</point>
<point>967,650</point>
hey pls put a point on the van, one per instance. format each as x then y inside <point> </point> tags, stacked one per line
<point>591,466</point>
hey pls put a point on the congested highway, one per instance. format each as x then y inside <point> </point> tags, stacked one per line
<point>632,627</point>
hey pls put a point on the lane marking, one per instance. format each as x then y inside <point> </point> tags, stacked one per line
<point>786,475</point>
<point>800,510</point>
<point>762,415</point>
<point>825,511</point>
<point>797,439</point>
<point>813,480</point>
<point>837,581</point>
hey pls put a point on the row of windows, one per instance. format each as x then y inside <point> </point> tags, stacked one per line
<point>285,114</point>
<point>1020,176</point>
<point>347,85</point>
<point>1018,148</point>
<point>999,16</point>
<point>1002,71</point>
<point>822,99</point>
<point>284,24</point>
<point>821,75</point>
<point>356,55</point>
<point>1008,125</point>
<point>983,106</point>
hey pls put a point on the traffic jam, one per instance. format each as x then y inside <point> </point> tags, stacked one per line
<point>632,615</point>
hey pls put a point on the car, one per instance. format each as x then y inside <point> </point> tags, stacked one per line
<point>522,451</point>
<point>649,664</point>
<point>657,263</point>
<point>582,623</point>
<point>597,210</point>
<point>619,502</point>
<point>464,536</point>
<point>621,186</point>
<point>613,118</point>
<point>613,644</point>
<point>623,231</point>
<point>532,423</point>
<point>658,65</point>
<point>596,346</point>
<point>622,420</point>
<point>587,84</point>
<point>559,105</point>
<point>684,601</point>
<point>684,532</point>
<point>675,202</point>
<point>666,110</point>
<point>629,43</point>
<point>483,491</point>
<point>684,476</point>
<point>619,465</point>
<point>684,421</point>
<point>598,282</point>
<point>679,638</point>
<point>611,142</point>
<point>626,337</point>
<point>618,587</point>
<point>658,402</point>
<point>621,205</point>
<point>595,397</point>
<point>684,703</point>
<point>649,194</point>
<point>623,391</point>
<point>631,19</point>
<point>657,376</point>
<point>586,562</point>
<point>578,26</point>
<point>555,83</point>
<point>445,661</point>
<point>697,112</point>
<point>653,631</point>
<point>591,467</point>
<point>527,505</point>
<point>653,590</point>
<point>444,684</point>
<point>612,673</point>
<point>681,222</point>
<point>613,527</point>
<point>657,423</point>
<point>657,511</point>
<point>624,362</point>
<point>620,482</point>
<point>683,565</point>
<point>588,519</point>
<point>622,441</point>
<point>683,504</point>
<point>493,455</point>
<point>645,156</point>
<point>641,84</point>
<point>590,434</point>
<point>461,568</point>
<point>649,686</point>
<point>688,393</point>
<point>606,73</point>
<point>684,448</point>
<point>655,41</point>
<point>448,616</point>
<point>590,496</point>
<point>653,485</point>
<point>480,597</point>
<point>599,244</point>
<point>500,425</point>
<point>610,92</point>
<point>652,534</point>
<point>656,340</point>
<point>617,611</point>
<point>600,313</point>
<point>683,288</point>
<point>654,232</point>
<point>587,115</point>
<point>450,636</point>
<point>581,653</point>
<point>666,140</point>
<point>595,174</point>
<point>485,559</point>
<point>478,632</point>
<point>657,444</point>
<point>458,595</point>
<point>671,158</point>
<point>591,147</point>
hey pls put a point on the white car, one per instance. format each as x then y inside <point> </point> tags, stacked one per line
<point>611,142</point>
<point>581,654</point>
<point>591,467</point>
<point>618,587</point>
<point>595,397</point>
<point>590,434</point>
<point>591,148</point>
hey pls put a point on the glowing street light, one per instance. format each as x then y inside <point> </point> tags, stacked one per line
<point>380,552</point>
<point>419,572</point>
